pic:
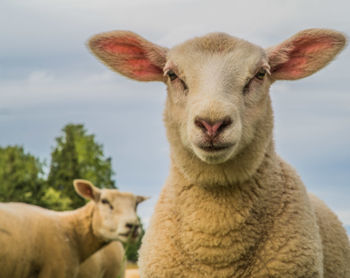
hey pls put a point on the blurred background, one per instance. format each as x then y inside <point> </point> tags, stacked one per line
<point>63,113</point>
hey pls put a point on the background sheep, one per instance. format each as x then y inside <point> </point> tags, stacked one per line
<point>108,262</point>
<point>231,207</point>
<point>37,242</point>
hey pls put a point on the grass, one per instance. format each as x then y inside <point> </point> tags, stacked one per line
<point>131,265</point>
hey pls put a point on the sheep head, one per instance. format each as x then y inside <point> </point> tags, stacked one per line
<point>218,111</point>
<point>114,216</point>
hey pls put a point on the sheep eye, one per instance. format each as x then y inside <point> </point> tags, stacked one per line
<point>261,74</point>
<point>184,84</point>
<point>172,75</point>
<point>105,201</point>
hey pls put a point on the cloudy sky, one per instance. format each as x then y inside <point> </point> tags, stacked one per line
<point>48,78</point>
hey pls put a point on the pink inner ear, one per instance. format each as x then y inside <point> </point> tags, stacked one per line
<point>122,45</point>
<point>132,58</point>
<point>88,191</point>
<point>303,51</point>
<point>310,47</point>
<point>294,67</point>
<point>143,67</point>
<point>115,47</point>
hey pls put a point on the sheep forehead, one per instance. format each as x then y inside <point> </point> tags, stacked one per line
<point>211,43</point>
<point>116,196</point>
<point>217,52</point>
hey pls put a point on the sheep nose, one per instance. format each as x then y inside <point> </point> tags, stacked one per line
<point>212,129</point>
<point>132,226</point>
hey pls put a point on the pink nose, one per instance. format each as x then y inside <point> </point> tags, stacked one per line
<point>212,129</point>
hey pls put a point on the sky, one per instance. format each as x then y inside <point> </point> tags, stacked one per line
<point>48,78</point>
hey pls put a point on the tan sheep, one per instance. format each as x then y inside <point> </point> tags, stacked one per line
<point>37,242</point>
<point>231,207</point>
<point>108,262</point>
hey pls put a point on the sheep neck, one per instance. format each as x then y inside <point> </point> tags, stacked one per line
<point>82,234</point>
<point>217,220</point>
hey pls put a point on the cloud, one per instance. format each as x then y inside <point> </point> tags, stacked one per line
<point>44,87</point>
<point>4,112</point>
<point>60,26</point>
<point>344,215</point>
<point>312,122</point>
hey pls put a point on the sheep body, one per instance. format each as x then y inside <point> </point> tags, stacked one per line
<point>40,243</point>
<point>36,241</point>
<point>225,234</point>
<point>108,262</point>
<point>231,207</point>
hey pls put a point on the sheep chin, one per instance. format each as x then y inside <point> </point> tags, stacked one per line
<point>214,156</point>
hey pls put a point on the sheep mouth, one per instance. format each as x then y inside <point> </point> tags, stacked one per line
<point>130,235</point>
<point>215,148</point>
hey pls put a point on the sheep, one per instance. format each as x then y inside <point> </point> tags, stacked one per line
<point>230,207</point>
<point>37,242</point>
<point>108,262</point>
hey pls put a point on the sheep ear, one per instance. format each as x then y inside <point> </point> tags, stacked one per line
<point>130,55</point>
<point>304,53</point>
<point>140,199</point>
<point>87,190</point>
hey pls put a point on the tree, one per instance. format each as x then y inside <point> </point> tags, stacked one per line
<point>53,199</point>
<point>77,155</point>
<point>20,176</point>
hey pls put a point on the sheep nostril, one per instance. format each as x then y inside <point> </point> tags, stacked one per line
<point>212,129</point>
<point>199,123</point>
<point>132,226</point>
<point>225,123</point>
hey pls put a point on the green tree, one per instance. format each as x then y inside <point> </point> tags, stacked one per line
<point>20,176</point>
<point>77,155</point>
<point>53,199</point>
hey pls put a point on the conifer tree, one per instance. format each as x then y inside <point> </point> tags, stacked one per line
<point>78,156</point>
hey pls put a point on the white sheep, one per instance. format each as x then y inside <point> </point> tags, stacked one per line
<point>36,242</point>
<point>108,262</point>
<point>231,207</point>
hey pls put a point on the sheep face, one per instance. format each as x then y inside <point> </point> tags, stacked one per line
<point>217,95</point>
<point>114,216</point>
<point>218,112</point>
